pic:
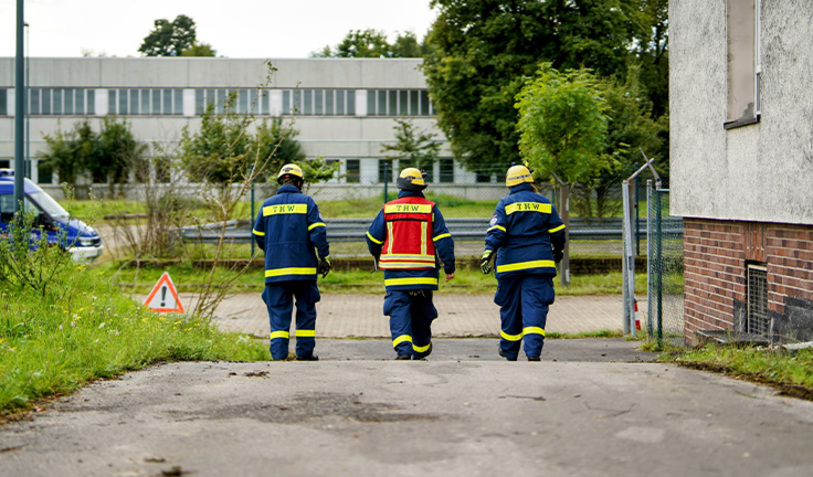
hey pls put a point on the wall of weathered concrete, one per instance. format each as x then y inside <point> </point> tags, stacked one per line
<point>760,172</point>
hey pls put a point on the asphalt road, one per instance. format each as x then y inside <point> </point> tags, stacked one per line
<point>591,408</point>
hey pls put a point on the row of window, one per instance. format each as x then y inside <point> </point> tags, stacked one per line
<point>384,102</point>
<point>385,170</point>
<point>158,101</point>
<point>154,102</point>
<point>319,102</point>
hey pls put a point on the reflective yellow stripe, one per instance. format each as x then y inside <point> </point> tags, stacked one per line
<point>401,339</point>
<point>305,333</point>
<point>373,239</point>
<point>411,281</point>
<point>387,266</point>
<point>531,330</point>
<point>279,334</point>
<point>508,337</point>
<point>285,209</point>
<point>317,224</point>
<point>389,237</point>
<point>407,209</point>
<point>419,349</point>
<point>527,207</point>
<point>423,238</point>
<point>441,236</point>
<point>290,271</point>
<point>261,234</point>
<point>556,229</point>
<point>404,256</point>
<point>526,265</point>
<point>496,227</point>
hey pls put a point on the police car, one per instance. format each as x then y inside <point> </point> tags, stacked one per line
<point>75,236</point>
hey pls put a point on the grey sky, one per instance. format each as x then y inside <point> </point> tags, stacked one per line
<point>236,28</point>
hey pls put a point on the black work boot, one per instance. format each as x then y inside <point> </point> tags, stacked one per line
<point>534,358</point>
<point>504,356</point>
<point>310,357</point>
<point>403,357</point>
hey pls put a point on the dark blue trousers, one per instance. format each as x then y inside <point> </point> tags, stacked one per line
<point>279,299</point>
<point>411,313</point>
<point>523,301</point>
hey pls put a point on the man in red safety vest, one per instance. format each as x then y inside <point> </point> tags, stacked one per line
<point>408,240</point>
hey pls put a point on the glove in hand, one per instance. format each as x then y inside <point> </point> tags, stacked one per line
<point>324,266</point>
<point>485,262</point>
<point>557,256</point>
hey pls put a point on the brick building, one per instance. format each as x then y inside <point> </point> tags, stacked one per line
<point>741,72</point>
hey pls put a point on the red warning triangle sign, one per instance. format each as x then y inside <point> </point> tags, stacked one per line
<point>164,298</point>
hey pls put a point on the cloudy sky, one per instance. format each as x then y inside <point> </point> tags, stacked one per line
<point>235,28</point>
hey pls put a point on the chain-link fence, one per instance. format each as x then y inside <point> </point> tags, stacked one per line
<point>664,267</point>
<point>466,198</point>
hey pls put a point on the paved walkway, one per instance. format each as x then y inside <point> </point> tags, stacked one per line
<point>359,315</point>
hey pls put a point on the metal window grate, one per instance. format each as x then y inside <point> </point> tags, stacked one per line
<point>757,319</point>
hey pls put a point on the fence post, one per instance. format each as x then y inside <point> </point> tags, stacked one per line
<point>659,263</point>
<point>564,265</point>
<point>628,275</point>
<point>650,262</point>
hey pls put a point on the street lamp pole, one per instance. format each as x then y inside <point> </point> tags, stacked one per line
<point>28,165</point>
<point>19,113</point>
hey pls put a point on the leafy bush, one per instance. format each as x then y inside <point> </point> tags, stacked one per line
<point>82,328</point>
<point>28,260</point>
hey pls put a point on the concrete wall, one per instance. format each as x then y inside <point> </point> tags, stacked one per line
<point>760,172</point>
<point>332,137</point>
<point>218,72</point>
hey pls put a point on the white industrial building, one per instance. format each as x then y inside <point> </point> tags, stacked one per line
<point>343,109</point>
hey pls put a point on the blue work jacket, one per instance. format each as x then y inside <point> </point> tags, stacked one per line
<point>525,230</point>
<point>290,229</point>
<point>415,279</point>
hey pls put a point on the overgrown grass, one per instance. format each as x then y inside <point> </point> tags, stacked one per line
<point>790,372</point>
<point>86,329</point>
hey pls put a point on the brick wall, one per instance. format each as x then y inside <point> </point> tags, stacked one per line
<point>715,257</point>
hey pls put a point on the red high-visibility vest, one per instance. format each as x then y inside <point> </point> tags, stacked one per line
<point>408,244</point>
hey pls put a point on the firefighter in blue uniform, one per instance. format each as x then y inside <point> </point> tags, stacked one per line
<point>528,238</point>
<point>291,232</point>
<point>406,239</point>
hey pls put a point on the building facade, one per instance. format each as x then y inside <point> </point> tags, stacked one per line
<point>344,110</point>
<point>741,132</point>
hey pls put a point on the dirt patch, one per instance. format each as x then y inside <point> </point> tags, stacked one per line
<point>308,407</point>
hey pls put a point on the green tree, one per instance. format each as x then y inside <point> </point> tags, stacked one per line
<point>563,124</point>
<point>412,148</point>
<point>170,38</point>
<point>563,132</point>
<point>218,152</point>
<point>652,52</point>
<point>630,129</point>
<point>107,156</point>
<point>482,49</point>
<point>62,155</point>
<point>119,154</point>
<point>278,143</point>
<point>199,49</point>
<point>373,43</point>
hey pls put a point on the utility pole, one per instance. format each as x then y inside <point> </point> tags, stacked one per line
<point>19,115</point>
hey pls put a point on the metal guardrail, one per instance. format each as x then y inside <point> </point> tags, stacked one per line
<point>463,230</point>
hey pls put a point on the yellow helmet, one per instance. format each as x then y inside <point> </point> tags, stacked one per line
<point>290,170</point>
<point>517,175</point>
<point>412,179</point>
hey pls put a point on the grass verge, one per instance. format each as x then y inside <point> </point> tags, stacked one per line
<point>791,373</point>
<point>84,329</point>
